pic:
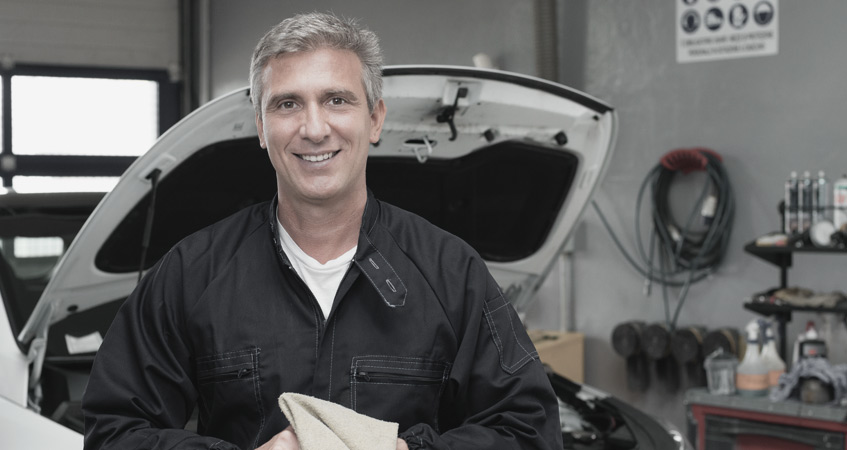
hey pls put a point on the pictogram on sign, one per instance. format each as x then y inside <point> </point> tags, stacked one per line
<point>710,30</point>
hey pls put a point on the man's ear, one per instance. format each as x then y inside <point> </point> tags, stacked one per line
<point>377,119</point>
<point>261,129</point>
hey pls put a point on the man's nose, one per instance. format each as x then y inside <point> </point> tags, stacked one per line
<point>315,126</point>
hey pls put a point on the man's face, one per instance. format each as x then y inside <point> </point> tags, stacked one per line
<point>316,125</point>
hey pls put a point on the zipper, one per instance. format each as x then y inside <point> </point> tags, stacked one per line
<point>315,305</point>
<point>376,377</point>
<point>239,374</point>
<point>314,301</point>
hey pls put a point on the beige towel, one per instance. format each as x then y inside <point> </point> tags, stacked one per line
<point>323,425</point>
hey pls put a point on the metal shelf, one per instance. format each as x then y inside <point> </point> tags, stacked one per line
<point>783,257</point>
<point>770,309</point>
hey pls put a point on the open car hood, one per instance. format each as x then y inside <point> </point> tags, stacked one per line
<point>505,161</point>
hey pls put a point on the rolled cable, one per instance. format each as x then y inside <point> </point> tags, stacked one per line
<point>693,256</point>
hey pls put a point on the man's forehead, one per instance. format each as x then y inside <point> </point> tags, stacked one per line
<point>277,67</point>
<point>334,55</point>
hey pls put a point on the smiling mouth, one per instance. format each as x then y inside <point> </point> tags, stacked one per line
<point>318,158</point>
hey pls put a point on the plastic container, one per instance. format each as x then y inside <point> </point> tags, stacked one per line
<point>720,372</point>
<point>775,364</point>
<point>805,206</point>
<point>811,333</point>
<point>821,199</point>
<point>839,202</point>
<point>751,375</point>
<point>789,221</point>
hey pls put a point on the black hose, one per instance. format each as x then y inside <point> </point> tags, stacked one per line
<point>685,256</point>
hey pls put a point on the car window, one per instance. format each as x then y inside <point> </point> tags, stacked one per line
<point>35,231</point>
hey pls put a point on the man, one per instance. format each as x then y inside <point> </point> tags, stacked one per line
<point>325,291</point>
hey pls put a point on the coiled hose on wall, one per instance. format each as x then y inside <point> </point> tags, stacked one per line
<point>685,255</point>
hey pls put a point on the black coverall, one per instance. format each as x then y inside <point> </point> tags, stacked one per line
<point>419,334</point>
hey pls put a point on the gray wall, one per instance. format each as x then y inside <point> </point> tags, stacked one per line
<point>765,115</point>
<point>432,32</point>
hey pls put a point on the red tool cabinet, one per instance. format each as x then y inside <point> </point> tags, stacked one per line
<point>718,422</point>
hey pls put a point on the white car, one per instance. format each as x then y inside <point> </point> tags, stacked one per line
<point>505,161</point>
<point>34,231</point>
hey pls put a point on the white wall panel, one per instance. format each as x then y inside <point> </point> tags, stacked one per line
<point>113,33</point>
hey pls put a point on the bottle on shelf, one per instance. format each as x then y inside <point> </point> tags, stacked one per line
<point>810,334</point>
<point>790,210</point>
<point>833,330</point>
<point>751,377</point>
<point>805,207</point>
<point>774,364</point>
<point>820,198</point>
<point>839,202</point>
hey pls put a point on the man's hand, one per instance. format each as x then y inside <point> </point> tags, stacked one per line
<point>401,444</point>
<point>285,440</point>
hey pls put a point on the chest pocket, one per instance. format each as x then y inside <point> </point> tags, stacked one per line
<point>230,403</point>
<point>398,389</point>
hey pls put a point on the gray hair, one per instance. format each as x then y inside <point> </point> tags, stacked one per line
<point>313,31</point>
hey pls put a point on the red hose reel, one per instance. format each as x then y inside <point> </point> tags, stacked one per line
<point>688,160</point>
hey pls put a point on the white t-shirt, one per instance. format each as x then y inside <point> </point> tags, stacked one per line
<point>322,279</point>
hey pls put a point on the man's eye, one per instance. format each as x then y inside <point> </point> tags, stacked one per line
<point>337,101</point>
<point>287,105</point>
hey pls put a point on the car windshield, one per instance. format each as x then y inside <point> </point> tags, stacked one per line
<point>35,231</point>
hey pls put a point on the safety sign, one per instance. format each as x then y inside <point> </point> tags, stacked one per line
<point>707,30</point>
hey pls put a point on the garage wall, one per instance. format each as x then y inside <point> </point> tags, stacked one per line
<point>141,34</point>
<point>433,32</point>
<point>766,116</point>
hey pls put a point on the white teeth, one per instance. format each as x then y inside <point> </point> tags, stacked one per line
<point>318,158</point>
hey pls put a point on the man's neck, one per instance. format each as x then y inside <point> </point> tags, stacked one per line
<point>323,232</point>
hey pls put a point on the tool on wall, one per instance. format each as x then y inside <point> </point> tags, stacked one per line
<point>627,338</point>
<point>653,352</point>
<point>728,339</point>
<point>687,349</point>
<point>681,254</point>
<point>657,346</point>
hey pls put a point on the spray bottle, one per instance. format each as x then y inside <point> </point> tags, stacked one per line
<point>839,202</point>
<point>751,376</point>
<point>775,364</point>
<point>789,220</point>
<point>805,207</point>
<point>820,199</point>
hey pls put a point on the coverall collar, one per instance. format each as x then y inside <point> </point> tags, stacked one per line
<point>369,259</point>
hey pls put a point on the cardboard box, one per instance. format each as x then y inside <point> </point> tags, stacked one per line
<point>562,351</point>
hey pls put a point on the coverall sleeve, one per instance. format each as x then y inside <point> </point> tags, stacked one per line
<point>498,395</point>
<point>140,393</point>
